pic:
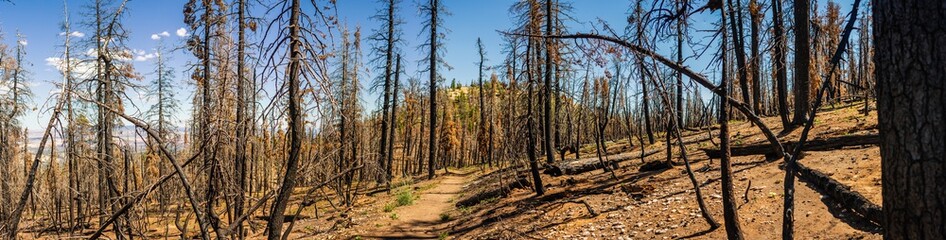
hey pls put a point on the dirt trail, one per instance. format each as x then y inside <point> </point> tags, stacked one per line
<point>422,219</point>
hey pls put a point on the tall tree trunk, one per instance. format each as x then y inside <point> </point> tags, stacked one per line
<point>645,100</point>
<point>730,214</point>
<point>530,125</point>
<point>802,61</point>
<point>908,38</point>
<point>779,62</point>
<point>679,76</point>
<point>736,28</point>
<point>755,62</point>
<point>547,87</point>
<point>274,226</point>
<point>241,121</point>
<point>432,133</point>
<point>483,124</point>
<point>388,64</point>
<point>209,158</point>
<point>397,80</point>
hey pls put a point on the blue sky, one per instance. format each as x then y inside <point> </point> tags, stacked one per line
<point>39,22</point>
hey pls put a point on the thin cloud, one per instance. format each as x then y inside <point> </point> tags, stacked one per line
<point>75,34</point>
<point>79,68</point>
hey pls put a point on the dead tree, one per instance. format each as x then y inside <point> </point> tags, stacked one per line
<point>433,9</point>
<point>547,87</point>
<point>484,126</point>
<point>387,37</point>
<point>241,119</point>
<point>298,39</point>
<point>755,60</point>
<point>736,29</point>
<point>802,65</point>
<point>779,63</point>
<point>530,125</point>
<point>645,99</point>
<point>910,104</point>
<point>730,214</point>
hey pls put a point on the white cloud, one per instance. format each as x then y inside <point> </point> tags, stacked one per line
<point>181,32</point>
<point>158,36</point>
<point>53,61</point>
<point>146,57</point>
<point>23,42</point>
<point>142,55</point>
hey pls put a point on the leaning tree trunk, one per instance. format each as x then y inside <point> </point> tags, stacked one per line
<point>736,27</point>
<point>730,213</point>
<point>530,125</point>
<point>274,226</point>
<point>908,38</point>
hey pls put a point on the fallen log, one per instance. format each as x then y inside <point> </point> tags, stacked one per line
<point>849,199</point>
<point>700,129</point>
<point>590,164</point>
<point>811,145</point>
<point>494,191</point>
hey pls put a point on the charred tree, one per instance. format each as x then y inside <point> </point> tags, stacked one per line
<point>780,45</point>
<point>802,63</point>
<point>908,38</point>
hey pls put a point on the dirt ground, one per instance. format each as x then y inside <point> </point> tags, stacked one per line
<point>667,209</point>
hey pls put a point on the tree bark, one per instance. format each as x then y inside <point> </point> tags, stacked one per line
<point>908,38</point>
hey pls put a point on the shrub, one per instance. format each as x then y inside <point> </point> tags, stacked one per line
<point>405,198</point>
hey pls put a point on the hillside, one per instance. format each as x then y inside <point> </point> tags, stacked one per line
<point>651,204</point>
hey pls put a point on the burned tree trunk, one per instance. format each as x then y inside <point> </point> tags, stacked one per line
<point>730,214</point>
<point>274,226</point>
<point>802,63</point>
<point>779,63</point>
<point>908,35</point>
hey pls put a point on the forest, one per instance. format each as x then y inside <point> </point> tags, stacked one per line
<point>685,119</point>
